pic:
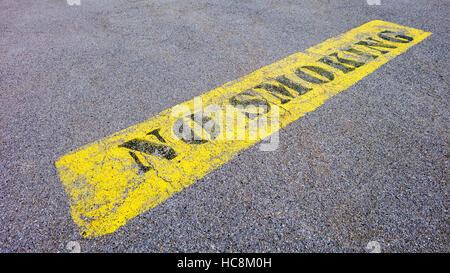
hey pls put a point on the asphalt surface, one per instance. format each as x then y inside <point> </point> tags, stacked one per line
<point>371,164</point>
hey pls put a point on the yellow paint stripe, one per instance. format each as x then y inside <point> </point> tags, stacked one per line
<point>106,181</point>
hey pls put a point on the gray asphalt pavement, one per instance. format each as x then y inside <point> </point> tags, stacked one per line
<point>371,164</point>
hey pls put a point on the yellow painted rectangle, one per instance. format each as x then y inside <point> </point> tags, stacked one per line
<point>118,177</point>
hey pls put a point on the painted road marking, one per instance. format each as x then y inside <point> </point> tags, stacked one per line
<point>116,178</point>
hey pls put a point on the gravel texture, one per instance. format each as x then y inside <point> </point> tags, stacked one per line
<point>371,164</point>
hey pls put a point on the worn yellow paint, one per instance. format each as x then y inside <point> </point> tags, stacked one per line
<point>105,185</point>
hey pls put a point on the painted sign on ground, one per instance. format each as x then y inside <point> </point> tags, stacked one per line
<point>118,177</point>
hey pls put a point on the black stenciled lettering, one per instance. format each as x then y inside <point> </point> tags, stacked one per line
<point>300,72</point>
<point>278,91</point>
<point>250,98</point>
<point>395,37</point>
<point>343,64</point>
<point>207,123</point>
<point>157,135</point>
<point>141,166</point>
<point>293,85</point>
<point>375,44</point>
<point>149,148</point>
<point>186,133</point>
<point>363,54</point>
